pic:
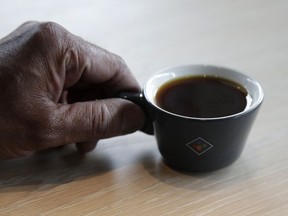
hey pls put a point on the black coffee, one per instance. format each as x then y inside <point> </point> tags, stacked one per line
<point>202,97</point>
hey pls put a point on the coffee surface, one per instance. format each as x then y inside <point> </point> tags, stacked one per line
<point>202,97</point>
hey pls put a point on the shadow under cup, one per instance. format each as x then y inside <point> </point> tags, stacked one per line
<point>201,144</point>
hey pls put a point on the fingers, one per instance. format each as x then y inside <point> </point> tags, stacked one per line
<point>51,61</point>
<point>86,121</point>
<point>84,147</point>
<point>99,67</point>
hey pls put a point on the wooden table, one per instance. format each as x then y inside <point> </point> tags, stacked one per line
<point>126,175</point>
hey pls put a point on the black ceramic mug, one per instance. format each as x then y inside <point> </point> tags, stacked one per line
<point>198,144</point>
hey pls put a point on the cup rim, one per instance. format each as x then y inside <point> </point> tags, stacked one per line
<point>256,104</point>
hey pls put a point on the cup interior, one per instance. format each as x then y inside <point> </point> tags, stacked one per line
<point>157,80</point>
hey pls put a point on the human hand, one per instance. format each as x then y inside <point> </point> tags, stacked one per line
<point>58,89</point>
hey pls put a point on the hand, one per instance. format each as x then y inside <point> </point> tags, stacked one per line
<point>57,89</point>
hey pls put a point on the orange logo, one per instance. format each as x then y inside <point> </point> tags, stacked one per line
<point>199,146</point>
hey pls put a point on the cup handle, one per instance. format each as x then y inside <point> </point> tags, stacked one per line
<point>140,100</point>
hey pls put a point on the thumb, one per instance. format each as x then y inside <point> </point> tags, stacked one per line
<point>87,121</point>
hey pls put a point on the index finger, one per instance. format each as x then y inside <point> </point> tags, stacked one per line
<point>99,66</point>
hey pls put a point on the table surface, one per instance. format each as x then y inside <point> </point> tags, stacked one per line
<point>126,175</point>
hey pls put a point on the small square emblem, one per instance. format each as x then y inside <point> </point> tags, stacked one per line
<point>199,146</point>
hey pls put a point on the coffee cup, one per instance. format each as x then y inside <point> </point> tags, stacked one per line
<point>209,130</point>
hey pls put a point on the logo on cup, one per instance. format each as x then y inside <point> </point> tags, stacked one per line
<point>199,146</point>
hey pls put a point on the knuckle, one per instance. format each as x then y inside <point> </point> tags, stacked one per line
<point>50,27</point>
<point>47,35</point>
<point>101,120</point>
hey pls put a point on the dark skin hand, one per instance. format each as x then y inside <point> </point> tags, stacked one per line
<point>57,89</point>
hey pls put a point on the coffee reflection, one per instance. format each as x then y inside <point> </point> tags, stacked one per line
<point>202,97</point>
